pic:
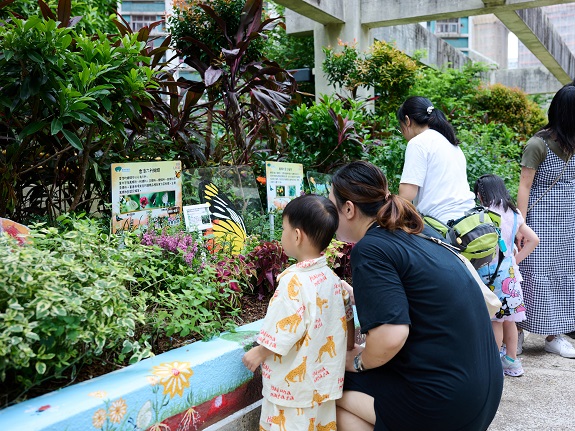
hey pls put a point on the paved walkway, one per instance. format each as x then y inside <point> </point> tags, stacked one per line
<point>544,397</point>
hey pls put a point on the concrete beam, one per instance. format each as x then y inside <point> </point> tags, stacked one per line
<point>298,25</point>
<point>322,11</point>
<point>414,37</point>
<point>532,27</point>
<point>382,13</point>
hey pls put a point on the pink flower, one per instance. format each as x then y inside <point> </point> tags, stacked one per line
<point>143,201</point>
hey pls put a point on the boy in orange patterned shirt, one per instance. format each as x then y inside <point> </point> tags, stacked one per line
<point>308,326</point>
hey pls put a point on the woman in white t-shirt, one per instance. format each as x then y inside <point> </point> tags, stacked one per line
<point>435,171</point>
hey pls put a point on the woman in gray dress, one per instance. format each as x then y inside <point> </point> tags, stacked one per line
<point>547,196</point>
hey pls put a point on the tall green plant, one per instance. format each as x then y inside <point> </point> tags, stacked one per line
<point>327,134</point>
<point>95,14</point>
<point>387,70</point>
<point>254,92</point>
<point>66,101</point>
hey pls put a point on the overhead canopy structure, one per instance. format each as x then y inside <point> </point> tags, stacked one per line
<point>348,20</point>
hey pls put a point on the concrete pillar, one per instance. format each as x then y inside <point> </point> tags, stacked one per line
<point>330,34</point>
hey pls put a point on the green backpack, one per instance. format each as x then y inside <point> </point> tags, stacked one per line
<point>476,235</point>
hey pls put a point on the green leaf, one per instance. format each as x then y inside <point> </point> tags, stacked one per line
<point>42,309</point>
<point>56,126</point>
<point>72,139</point>
<point>15,328</point>
<point>35,57</point>
<point>31,128</point>
<point>106,103</point>
<point>127,346</point>
<point>40,367</point>
<point>33,336</point>
<point>108,310</point>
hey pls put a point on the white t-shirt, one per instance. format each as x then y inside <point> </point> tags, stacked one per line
<point>439,169</point>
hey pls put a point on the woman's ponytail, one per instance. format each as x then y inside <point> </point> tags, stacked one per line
<point>399,214</point>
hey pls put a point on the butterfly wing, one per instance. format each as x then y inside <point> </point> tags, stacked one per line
<point>228,225</point>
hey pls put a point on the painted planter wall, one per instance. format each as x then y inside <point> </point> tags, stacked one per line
<point>188,388</point>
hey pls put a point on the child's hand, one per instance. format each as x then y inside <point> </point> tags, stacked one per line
<point>254,358</point>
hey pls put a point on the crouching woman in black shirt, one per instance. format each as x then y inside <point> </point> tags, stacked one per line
<point>430,360</point>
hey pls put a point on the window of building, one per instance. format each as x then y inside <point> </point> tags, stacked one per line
<point>137,22</point>
<point>450,25</point>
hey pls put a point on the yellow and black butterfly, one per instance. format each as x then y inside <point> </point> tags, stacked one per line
<point>178,174</point>
<point>228,225</point>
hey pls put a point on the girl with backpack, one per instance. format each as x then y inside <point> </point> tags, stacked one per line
<point>503,276</point>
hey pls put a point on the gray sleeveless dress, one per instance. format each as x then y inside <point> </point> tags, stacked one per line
<point>549,272</point>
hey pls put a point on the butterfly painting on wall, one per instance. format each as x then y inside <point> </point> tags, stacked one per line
<point>228,226</point>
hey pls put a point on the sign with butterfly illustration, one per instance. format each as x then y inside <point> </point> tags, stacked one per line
<point>141,191</point>
<point>284,182</point>
<point>228,225</point>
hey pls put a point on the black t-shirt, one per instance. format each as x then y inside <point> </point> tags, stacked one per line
<point>449,367</point>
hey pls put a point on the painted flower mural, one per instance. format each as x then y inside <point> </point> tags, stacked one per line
<point>99,418</point>
<point>98,394</point>
<point>174,377</point>
<point>117,410</point>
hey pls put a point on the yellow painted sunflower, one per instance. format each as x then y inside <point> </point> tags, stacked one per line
<point>174,377</point>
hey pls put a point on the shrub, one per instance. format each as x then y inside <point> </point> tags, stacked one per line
<point>453,91</point>
<point>389,71</point>
<point>327,134</point>
<point>492,149</point>
<point>65,104</point>
<point>63,300</point>
<point>512,107</point>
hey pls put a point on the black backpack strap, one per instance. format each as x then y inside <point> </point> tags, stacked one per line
<point>499,261</point>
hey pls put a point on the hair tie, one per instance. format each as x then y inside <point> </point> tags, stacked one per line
<point>387,195</point>
<point>430,109</point>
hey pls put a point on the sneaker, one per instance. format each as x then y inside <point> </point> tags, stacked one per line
<point>520,340</point>
<point>511,367</point>
<point>560,346</point>
<point>503,350</point>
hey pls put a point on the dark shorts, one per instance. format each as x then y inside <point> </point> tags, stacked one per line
<point>398,408</point>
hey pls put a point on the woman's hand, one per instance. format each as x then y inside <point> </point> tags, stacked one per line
<point>350,356</point>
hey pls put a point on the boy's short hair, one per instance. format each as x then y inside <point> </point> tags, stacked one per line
<point>316,216</point>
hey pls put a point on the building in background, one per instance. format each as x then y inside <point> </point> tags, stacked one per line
<point>455,31</point>
<point>563,19</point>
<point>483,37</point>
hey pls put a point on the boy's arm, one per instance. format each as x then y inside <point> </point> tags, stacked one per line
<point>255,356</point>
<point>350,334</point>
<point>530,241</point>
<point>348,300</point>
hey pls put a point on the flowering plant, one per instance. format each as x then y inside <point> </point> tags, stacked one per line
<point>174,243</point>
